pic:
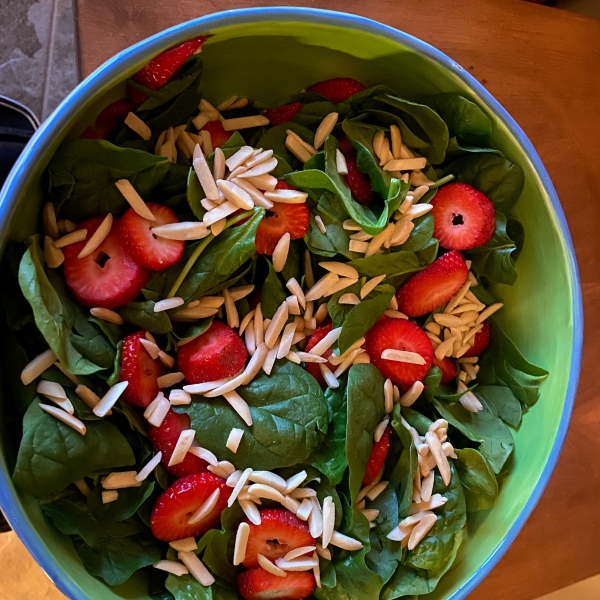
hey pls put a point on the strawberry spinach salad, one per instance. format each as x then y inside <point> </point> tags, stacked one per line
<point>253,349</point>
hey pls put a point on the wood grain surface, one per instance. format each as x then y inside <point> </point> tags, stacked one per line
<point>541,63</point>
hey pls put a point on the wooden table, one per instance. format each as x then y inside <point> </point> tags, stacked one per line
<point>541,63</point>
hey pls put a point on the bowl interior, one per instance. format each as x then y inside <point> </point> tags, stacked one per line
<point>271,58</point>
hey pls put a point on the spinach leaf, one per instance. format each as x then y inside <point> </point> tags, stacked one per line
<point>124,507</point>
<point>395,263</point>
<point>494,437</point>
<point>91,343</point>
<point>499,179</point>
<point>421,235</point>
<point>478,480</point>
<point>52,317</point>
<point>142,315</point>
<point>428,253</point>
<point>501,401</point>
<point>83,173</point>
<point>365,411</point>
<point>194,194</point>
<point>401,477</point>
<point>493,260</point>
<point>217,548</point>
<point>417,420</point>
<point>115,376</point>
<point>311,115</point>
<point>293,264</point>
<point>115,560</point>
<point>188,588</point>
<point>52,455</point>
<point>289,419</point>
<point>330,456</point>
<point>273,292</point>
<point>274,139</point>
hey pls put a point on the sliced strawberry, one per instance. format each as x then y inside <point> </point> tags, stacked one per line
<point>162,67</point>
<point>377,458</point>
<point>282,114</point>
<point>175,506</point>
<point>346,146</point>
<point>218,353</point>
<point>480,342</point>
<point>359,183</point>
<point>218,135</point>
<point>109,119</point>
<point>337,89</point>
<point>108,277</point>
<point>399,334</point>
<point>140,370</point>
<point>258,584</point>
<point>164,439</point>
<point>279,532</point>
<point>448,368</point>
<point>313,368</point>
<point>463,217</point>
<point>282,218</point>
<point>155,254</point>
<point>434,286</point>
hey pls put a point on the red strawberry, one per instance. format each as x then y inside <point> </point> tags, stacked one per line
<point>313,368</point>
<point>337,89</point>
<point>448,368</point>
<point>399,334</point>
<point>481,342</point>
<point>283,114</point>
<point>377,458</point>
<point>258,584</point>
<point>175,506</point>
<point>358,182</point>
<point>162,67</point>
<point>434,286</point>
<point>218,353</point>
<point>164,439</point>
<point>282,218</point>
<point>108,277</point>
<point>463,217</point>
<point>110,118</point>
<point>218,135</point>
<point>155,254</point>
<point>140,370</point>
<point>279,532</point>
<point>346,146</point>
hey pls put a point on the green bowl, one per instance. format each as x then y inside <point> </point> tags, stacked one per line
<point>268,54</point>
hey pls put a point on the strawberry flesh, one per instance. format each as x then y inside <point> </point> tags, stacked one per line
<point>258,584</point>
<point>480,342</point>
<point>108,120</point>
<point>164,439</point>
<point>218,353</point>
<point>149,251</point>
<point>377,458</point>
<point>358,183</point>
<point>346,146</point>
<point>337,89</point>
<point>175,506</point>
<point>464,218</point>
<point>399,334</point>
<point>108,277</point>
<point>282,114</point>
<point>434,286</point>
<point>218,135</point>
<point>313,368</point>
<point>448,368</point>
<point>140,370</point>
<point>279,532</point>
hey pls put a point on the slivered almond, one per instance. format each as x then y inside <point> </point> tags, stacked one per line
<point>203,511</point>
<point>325,128</point>
<point>341,284</point>
<point>378,140</point>
<point>234,438</point>
<point>276,326</point>
<point>151,348</point>
<point>241,542</point>
<point>216,214</point>
<point>361,236</point>
<point>150,466</point>
<point>245,122</point>
<point>396,138</point>
<point>340,268</point>
<point>405,164</point>
<point>388,394</point>
<point>89,397</point>
<point>250,511</point>
<point>321,313</point>
<point>295,146</point>
<point>64,417</point>
<point>379,240</point>
<point>120,480</point>
<point>413,358</point>
<point>375,491</point>
<point>262,168</point>
<point>298,564</point>
<point>315,518</point>
<point>287,339</point>
<point>280,253</point>
<point>328,520</point>
<point>97,237</point>
<point>239,158</point>
<point>380,429</point>
<point>385,154</point>
<point>418,210</point>
<point>110,398</point>
<point>345,542</point>
<point>250,339</point>
<point>298,552</point>
<point>235,194</point>
<point>233,318</point>
<point>271,479</point>
<point>49,218</point>
<point>178,397</point>
<point>228,386</point>
<point>171,566</point>
<point>168,304</point>
<point>263,182</point>
<point>293,305</point>
<point>256,362</point>
<point>287,196</point>
<point>321,347</point>
<point>186,230</point>
<point>445,348</point>
<point>106,314</point>
<point>54,256</point>
<point>257,196</point>
<point>447,320</point>
<point>270,567</point>
<point>259,158</point>
<point>136,124</point>
<point>207,144</point>
<point>371,285</point>
<point>402,231</point>
<point>160,412</point>
<point>196,568</point>
<point>241,482</point>
<point>185,545</point>
<point>421,529</point>
<point>488,312</point>
<point>410,397</point>
<point>259,325</point>
<point>340,162</point>
<point>239,405</point>
<point>71,238</point>
<point>109,496</point>
<point>184,443</point>
<point>346,363</point>
<point>349,299</point>
<point>240,103</point>
<point>308,357</point>
<point>134,199</point>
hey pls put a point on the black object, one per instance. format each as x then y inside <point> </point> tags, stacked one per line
<point>17,125</point>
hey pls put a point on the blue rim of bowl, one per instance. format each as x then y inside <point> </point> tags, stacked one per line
<point>151,46</point>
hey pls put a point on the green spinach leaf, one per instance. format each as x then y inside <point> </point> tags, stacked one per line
<point>273,292</point>
<point>501,401</point>
<point>124,507</point>
<point>142,315</point>
<point>395,263</point>
<point>478,480</point>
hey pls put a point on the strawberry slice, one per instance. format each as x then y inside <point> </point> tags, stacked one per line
<point>279,532</point>
<point>218,353</point>
<point>162,67</point>
<point>140,370</point>
<point>377,458</point>
<point>282,218</point>
<point>282,114</point>
<point>346,146</point>
<point>258,584</point>
<point>108,277</point>
<point>155,254</point>
<point>313,368</point>
<point>359,183</point>
<point>165,437</point>
<point>337,89</point>
<point>218,135</point>
<point>175,506</point>
<point>480,342</point>
<point>434,286</point>
<point>463,217</point>
<point>448,368</point>
<point>109,119</point>
<point>399,334</point>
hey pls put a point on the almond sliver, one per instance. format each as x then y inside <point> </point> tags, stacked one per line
<point>134,199</point>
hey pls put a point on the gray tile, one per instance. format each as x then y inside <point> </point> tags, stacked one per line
<point>62,70</point>
<point>24,50</point>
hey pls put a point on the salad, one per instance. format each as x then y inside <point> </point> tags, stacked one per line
<point>252,350</point>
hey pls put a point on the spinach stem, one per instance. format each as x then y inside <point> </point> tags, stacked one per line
<point>441,181</point>
<point>200,249</point>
